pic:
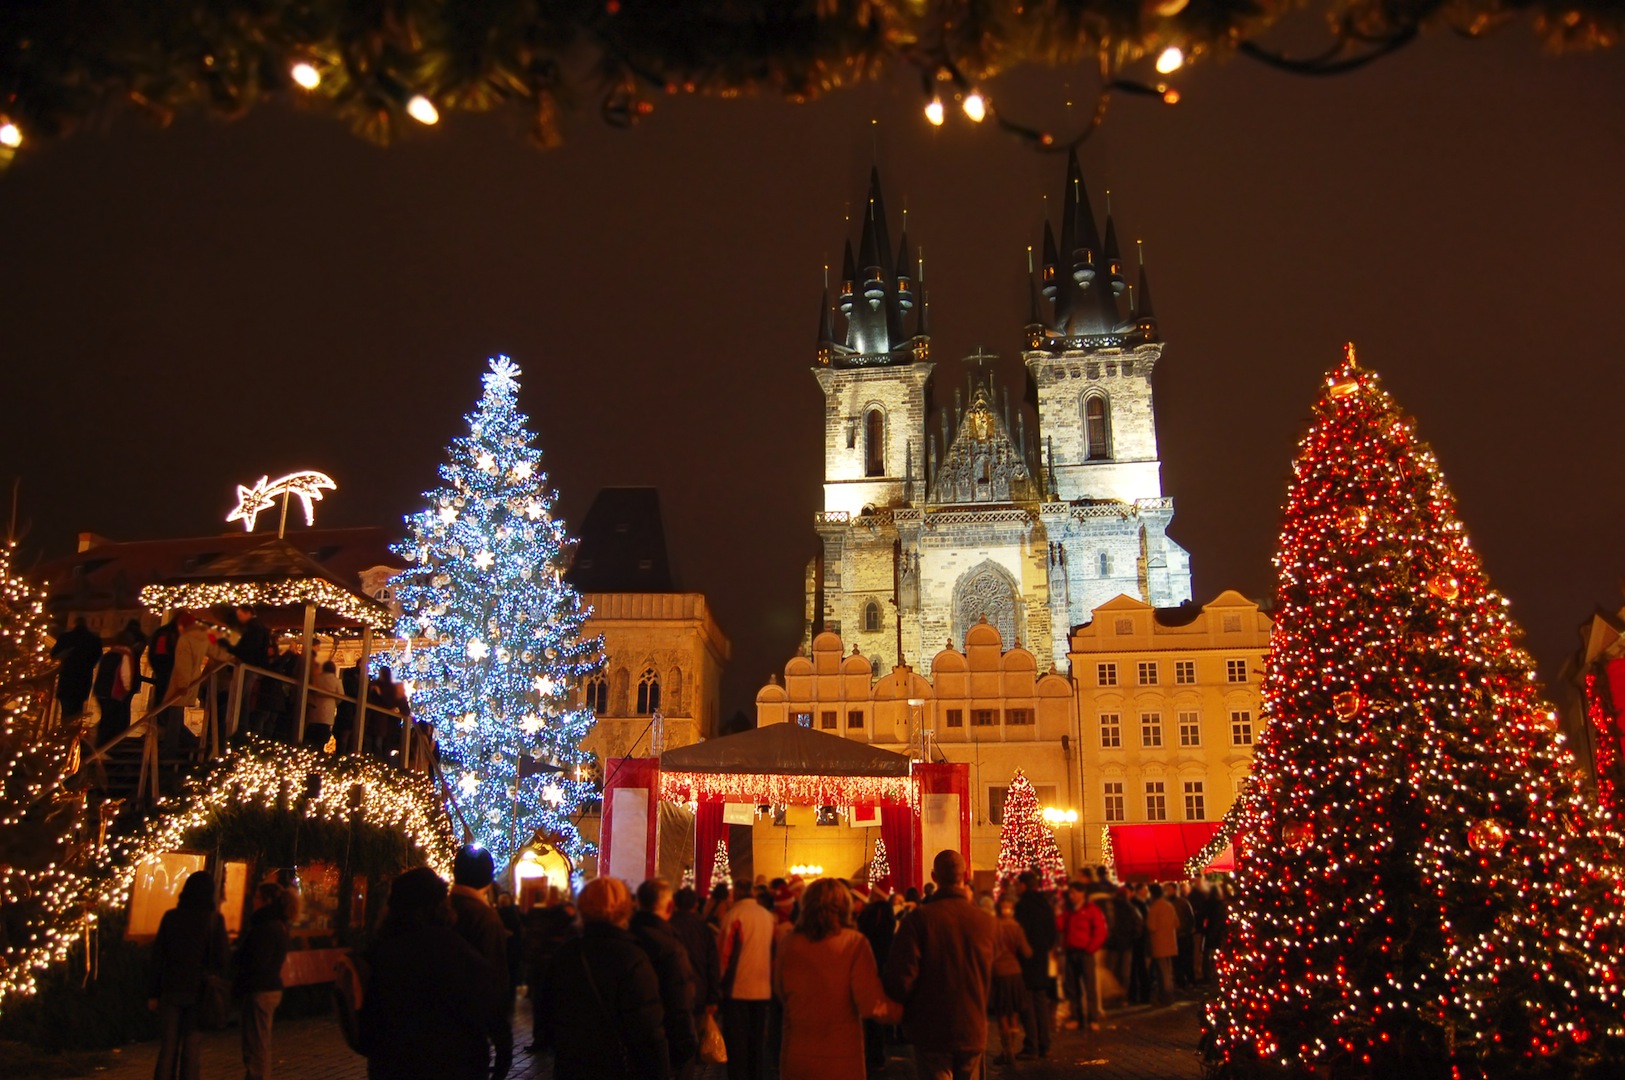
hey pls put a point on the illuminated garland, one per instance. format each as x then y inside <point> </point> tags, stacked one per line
<point>382,67</point>
<point>1198,863</point>
<point>788,790</point>
<point>351,787</point>
<point>1606,745</point>
<point>198,596</point>
<point>41,826</point>
<point>1422,889</point>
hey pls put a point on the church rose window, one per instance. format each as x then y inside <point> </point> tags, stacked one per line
<point>985,592</point>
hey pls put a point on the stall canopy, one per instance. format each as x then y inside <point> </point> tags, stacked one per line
<point>1159,852</point>
<point>279,582</point>
<point>785,764</point>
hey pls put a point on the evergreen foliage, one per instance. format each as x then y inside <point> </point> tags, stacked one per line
<point>1025,842</point>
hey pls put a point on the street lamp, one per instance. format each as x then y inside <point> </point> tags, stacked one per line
<point>1056,818</point>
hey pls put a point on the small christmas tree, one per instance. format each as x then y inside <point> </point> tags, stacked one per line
<point>42,887</point>
<point>500,651</point>
<point>1422,890</point>
<point>879,867</point>
<point>1025,842</point>
<point>721,872</point>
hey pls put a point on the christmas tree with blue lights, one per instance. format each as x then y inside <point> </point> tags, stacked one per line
<point>497,651</point>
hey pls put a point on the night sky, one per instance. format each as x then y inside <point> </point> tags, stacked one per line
<point>188,309</point>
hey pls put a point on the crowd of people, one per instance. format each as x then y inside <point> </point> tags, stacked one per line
<point>777,978</point>
<point>160,676</point>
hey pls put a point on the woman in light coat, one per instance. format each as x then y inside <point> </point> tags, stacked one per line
<point>826,978</point>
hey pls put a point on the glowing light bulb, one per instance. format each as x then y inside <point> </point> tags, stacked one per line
<point>933,112</point>
<point>1170,96</point>
<point>1171,60</point>
<point>422,110</point>
<point>11,136</point>
<point>975,106</point>
<point>306,75</point>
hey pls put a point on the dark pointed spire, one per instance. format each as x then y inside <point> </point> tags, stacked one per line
<point>905,277</point>
<point>849,277</point>
<point>1114,261</point>
<point>1034,317</point>
<point>1051,264</point>
<point>1142,295</point>
<point>1081,244</point>
<point>826,320</point>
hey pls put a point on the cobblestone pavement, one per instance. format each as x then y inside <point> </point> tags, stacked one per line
<point>1139,1043</point>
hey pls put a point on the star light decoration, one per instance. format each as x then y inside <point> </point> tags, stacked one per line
<point>306,485</point>
<point>1422,889</point>
<point>498,633</point>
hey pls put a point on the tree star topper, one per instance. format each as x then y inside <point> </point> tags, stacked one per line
<point>307,486</point>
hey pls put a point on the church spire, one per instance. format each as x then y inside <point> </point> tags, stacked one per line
<point>877,292</point>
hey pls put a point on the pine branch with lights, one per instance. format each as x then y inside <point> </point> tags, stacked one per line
<point>42,841</point>
<point>879,865</point>
<point>1422,889</point>
<point>382,67</point>
<point>1025,842</point>
<point>500,652</point>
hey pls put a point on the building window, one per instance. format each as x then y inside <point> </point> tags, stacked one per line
<point>1150,729</point>
<point>1106,674</point>
<point>826,719</point>
<point>871,617</point>
<point>854,718</point>
<point>1123,627</point>
<point>1114,800</point>
<point>1105,564</point>
<point>996,796</point>
<point>984,717</point>
<point>827,815</point>
<point>1195,808</point>
<point>1148,673</point>
<point>1184,672</point>
<point>804,719</point>
<point>1190,729</point>
<point>1018,716</point>
<point>1241,728</point>
<point>1111,730</point>
<point>874,443</point>
<point>1097,427</point>
<point>1235,670</point>
<point>648,692</point>
<point>1156,801</point>
<point>596,695</point>
<point>956,717</point>
<point>1232,624</point>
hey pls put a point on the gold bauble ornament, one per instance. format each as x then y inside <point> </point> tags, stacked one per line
<point>1347,705</point>
<point>1297,835</point>
<point>1444,586</point>
<point>1487,836</point>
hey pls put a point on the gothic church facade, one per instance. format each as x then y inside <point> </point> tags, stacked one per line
<point>940,513</point>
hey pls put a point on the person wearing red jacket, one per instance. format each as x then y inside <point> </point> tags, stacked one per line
<point>1082,930</point>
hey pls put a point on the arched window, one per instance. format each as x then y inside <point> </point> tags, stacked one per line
<point>874,443</point>
<point>986,591</point>
<point>648,692</point>
<point>871,617</point>
<point>595,695</point>
<point>1105,564</point>
<point>1097,428</point>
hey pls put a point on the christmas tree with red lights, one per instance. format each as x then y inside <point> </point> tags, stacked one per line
<point>1025,842</point>
<point>1422,889</point>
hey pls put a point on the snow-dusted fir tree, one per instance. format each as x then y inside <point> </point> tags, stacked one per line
<point>1025,842</point>
<point>879,865</point>
<point>498,652</point>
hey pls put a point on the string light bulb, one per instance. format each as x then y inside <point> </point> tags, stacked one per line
<point>1171,60</point>
<point>933,112</point>
<point>975,106</point>
<point>11,136</point>
<point>305,74</point>
<point>422,110</point>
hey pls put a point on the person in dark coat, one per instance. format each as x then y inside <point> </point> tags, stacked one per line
<point>1035,911</point>
<point>877,922</point>
<point>253,647</point>
<point>76,652</point>
<point>257,982</point>
<point>941,968</point>
<point>678,991</point>
<point>546,928</point>
<point>191,946</point>
<point>700,940</point>
<point>601,998</point>
<point>478,923</point>
<point>426,1008</point>
<point>508,912</point>
<point>114,686</point>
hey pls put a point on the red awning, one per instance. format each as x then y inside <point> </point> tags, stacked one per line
<point>1159,852</point>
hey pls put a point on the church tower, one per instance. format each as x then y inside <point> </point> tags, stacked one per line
<point>1090,354</point>
<point>876,382</point>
